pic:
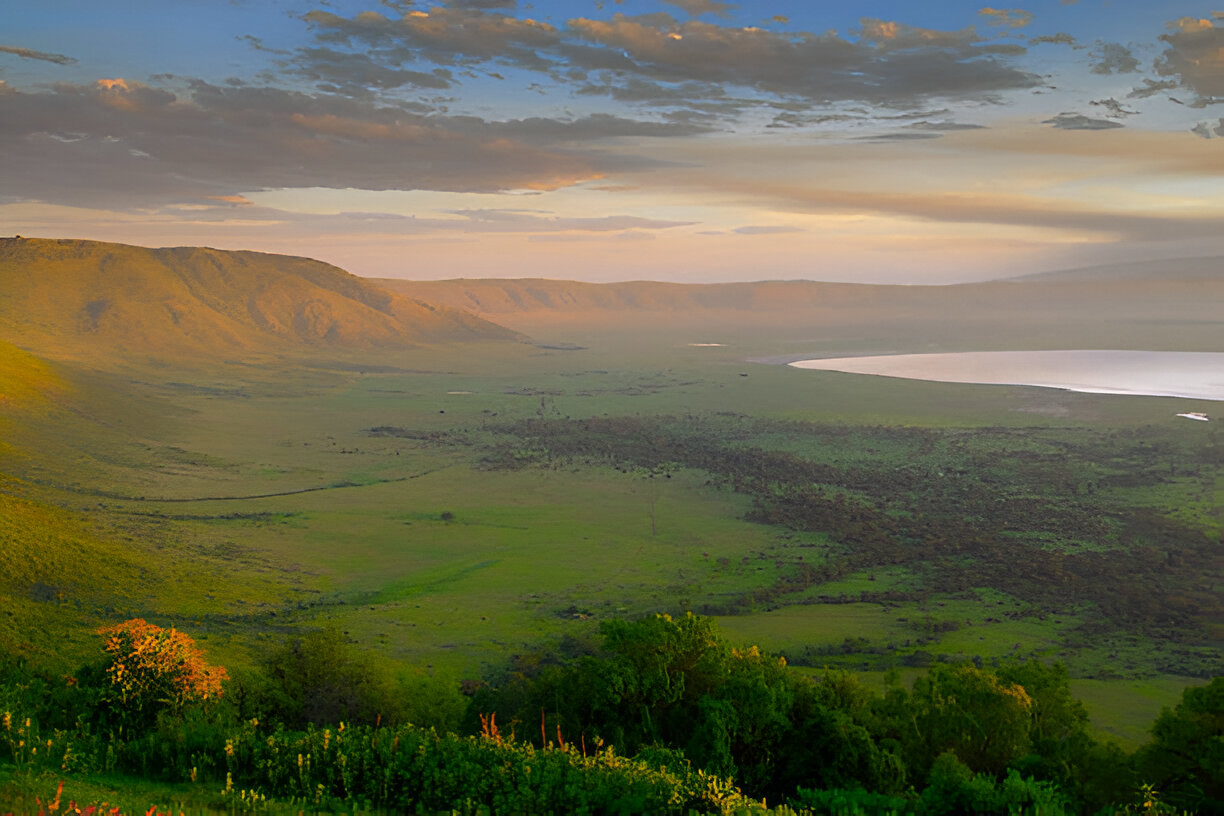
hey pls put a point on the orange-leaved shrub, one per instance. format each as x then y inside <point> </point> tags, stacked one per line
<point>150,669</point>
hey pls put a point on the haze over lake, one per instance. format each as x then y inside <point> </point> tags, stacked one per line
<point>1189,374</point>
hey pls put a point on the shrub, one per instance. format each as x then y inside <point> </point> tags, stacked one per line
<point>150,670</point>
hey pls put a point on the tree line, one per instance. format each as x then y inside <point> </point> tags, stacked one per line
<point>660,714</point>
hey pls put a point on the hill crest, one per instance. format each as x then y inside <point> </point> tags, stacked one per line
<point>76,299</point>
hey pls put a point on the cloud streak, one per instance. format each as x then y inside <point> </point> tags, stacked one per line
<point>27,53</point>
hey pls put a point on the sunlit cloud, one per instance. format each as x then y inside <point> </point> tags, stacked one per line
<point>1195,56</point>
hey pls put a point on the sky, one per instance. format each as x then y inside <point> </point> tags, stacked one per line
<point>883,141</point>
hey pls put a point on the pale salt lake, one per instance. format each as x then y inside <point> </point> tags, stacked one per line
<point>1188,374</point>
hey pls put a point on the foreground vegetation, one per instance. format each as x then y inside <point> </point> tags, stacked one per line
<point>659,716</point>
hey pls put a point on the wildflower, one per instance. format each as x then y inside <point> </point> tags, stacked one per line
<point>326,738</point>
<point>229,747</point>
<point>299,760</point>
<point>193,773</point>
<point>8,721</point>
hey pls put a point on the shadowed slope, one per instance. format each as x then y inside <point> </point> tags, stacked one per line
<point>86,300</point>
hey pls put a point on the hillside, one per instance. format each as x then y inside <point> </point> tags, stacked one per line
<point>490,296</point>
<point>1210,268</point>
<point>91,300</point>
<point>1169,305</point>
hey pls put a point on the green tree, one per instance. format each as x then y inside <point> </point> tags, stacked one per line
<point>1185,759</point>
<point>971,712</point>
<point>321,678</point>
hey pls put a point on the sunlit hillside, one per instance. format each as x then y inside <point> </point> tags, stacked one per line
<point>99,301</point>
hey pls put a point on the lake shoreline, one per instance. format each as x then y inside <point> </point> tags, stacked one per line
<point>1189,375</point>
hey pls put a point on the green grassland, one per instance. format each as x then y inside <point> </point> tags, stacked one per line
<point>421,501</point>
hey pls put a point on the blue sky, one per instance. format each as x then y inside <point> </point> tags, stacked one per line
<point>693,140</point>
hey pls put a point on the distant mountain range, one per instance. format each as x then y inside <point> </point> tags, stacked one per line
<point>81,299</point>
<point>1134,284</point>
<point>87,300</point>
<point>1170,305</point>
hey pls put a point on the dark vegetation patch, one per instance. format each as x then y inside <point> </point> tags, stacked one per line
<point>1058,518</point>
<point>432,437</point>
<point>254,518</point>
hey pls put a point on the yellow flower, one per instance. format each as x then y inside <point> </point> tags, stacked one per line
<point>8,721</point>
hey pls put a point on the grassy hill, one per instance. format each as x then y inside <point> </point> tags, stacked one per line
<point>99,301</point>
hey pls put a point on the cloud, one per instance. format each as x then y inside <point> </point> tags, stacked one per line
<point>890,64</point>
<point>941,184</point>
<point>488,220</point>
<point>655,59</point>
<point>1195,56</point>
<point>765,229</point>
<point>1205,129</point>
<point>120,143</point>
<point>1060,38</point>
<point>1151,87</point>
<point>925,130</point>
<point>1113,108</point>
<point>236,211</point>
<point>696,8</point>
<point>446,36</point>
<point>1007,18</point>
<point>1077,121</point>
<point>594,127</point>
<point>944,126</point>
<point>26,53</point>
<point>897,137</point>
<point>483,4</point>
<point>353,74</point>
<point>1114,58</point>
<point>990,208</point>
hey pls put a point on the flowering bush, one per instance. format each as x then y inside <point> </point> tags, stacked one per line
<point>150,669</point>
